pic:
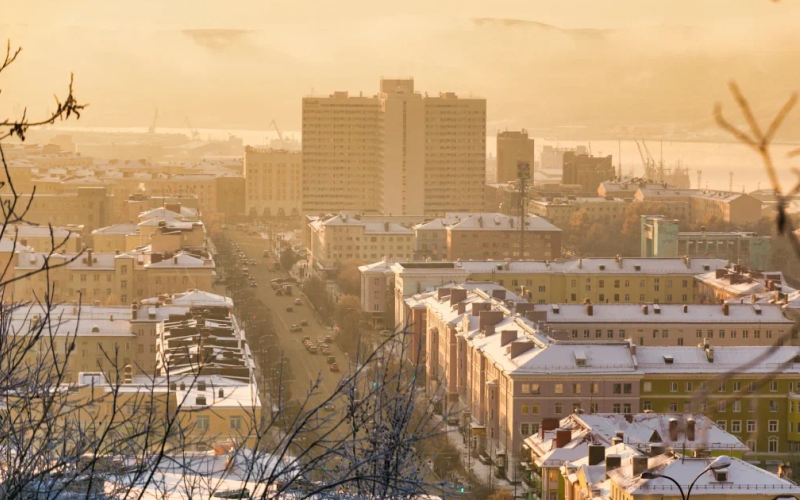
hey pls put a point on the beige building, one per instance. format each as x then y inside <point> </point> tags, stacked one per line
<point>343,154</point>
<point>559,211</point>
<point>273,182</point>
<point>513,147</point>
<point>497,236</point>
<point>736,208</point>
<point>397,152</point>
<point>344,237</point>
<point>667,324</point>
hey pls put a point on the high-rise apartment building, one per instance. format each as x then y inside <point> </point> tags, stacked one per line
<point>512,147</point>
<point>398,152</point>
<point>343,164</point>
<point>273,181</point>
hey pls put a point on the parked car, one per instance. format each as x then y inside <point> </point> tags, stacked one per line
<point>306,338</point>
<point>298,302</point>
<point>326,350</point>
<point>295,328</point>
<point>331,360</point>
<point>329,407</point>
<point>252,262</point>
<point>334,367</point>
<point>290,309</point>
<point>304,322</point>
<point>312,349</point>
<point>279,293</point>
<point>386,333</point>
<point>287,289</point>
<point>320,340</point>
<point>253,284</point>
<point>328,339</point>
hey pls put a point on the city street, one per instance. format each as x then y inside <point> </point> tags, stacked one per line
<point>305,367</point>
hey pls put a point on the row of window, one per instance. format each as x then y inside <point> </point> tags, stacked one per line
<point>627,283</point>
<point>577,389</point>
<point>721,387</point>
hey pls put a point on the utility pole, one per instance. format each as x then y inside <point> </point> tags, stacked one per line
<point>523,177</point>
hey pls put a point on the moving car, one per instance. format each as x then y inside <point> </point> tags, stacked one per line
<point>279,293</point>
<point>253,284</point>
<point>298,302</point>
<point>331,359</point>
<point>306,338</point>
<point>320,340</point>
<point>290,309</point>
<point>329,407</point>
<point>295,328</point>
<point>304,322</point>
<point>334,367</point>
<point>312,349</point>
<point>252,262</point>
<point>326,350</point>
<point>328,339</point>
<point>386,333</point>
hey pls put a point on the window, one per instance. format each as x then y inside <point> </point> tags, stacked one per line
<point>673,406</point>
<point>689,387</point>
<point>593,408</point>
<point>773,386</point>
<point>525,408</point>
<point>737,386</point>
<point>772,426</point>
<point>202,423</point>
<point>576,388</point>
<point>235,423</point>
<point>722,334</point>
<point>722,424</point>
<point>647,405</point>
<point>595,388</point>
<point>559,408</point>
<point>626,388</point>
<point>617,389</point>
<point>526,388</point>
<point>534,409</point>
<point>751,443</point>
<point>773,444</point>
<point>616,407</point>
<point>722,405</point>
<point>773,406</point>
<point>647,387</point>
<point>534,428</point>
<point>687,407</point>
<point>673,387</point>
<point>751,405</point>
<point>737,406</point>
<point>736,426</point>
<point>626,408</point>
<point>524,428</point>
<point>721,387</point>
<point>699,334</point>
<point>559,388</point>
<point>534,388</point>
<point>704,386</point>
<point>751,426</point>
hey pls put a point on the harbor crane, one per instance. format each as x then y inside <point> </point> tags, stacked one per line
<point>152,129</point>
<point>278,130</point>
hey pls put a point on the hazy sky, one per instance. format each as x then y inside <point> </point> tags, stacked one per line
<point>259,13</point>
<point>662,62</point>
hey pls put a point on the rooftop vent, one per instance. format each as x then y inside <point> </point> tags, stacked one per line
<point>668,359</point>
<point>201,386</point>
<point>556,309</point>
<point>706,267</point>
<point>602,267</point>
<point>721,475</point>
<point>201,400</point>
<point>656,309</point>
<point>580,358</point>
<point>757,309</point>
<point>637,268</point>
<point>95,329</point>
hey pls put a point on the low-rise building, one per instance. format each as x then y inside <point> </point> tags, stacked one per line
<point>661,238</point>
<point>498,236</point>
<point>735,208</point>
<point>559,211</point>
<point>588,171</point>
<point>486,357</point>
<point>616,280</point>
<point>43,239</point>
<point>732,281</point>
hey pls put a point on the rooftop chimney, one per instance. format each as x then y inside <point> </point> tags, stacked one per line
<point>645,309</point>
<point>690,429</point>
<point>489,318</point>
<point>563,436</point>
<point>477,307</point>
<point>613,462</point>
<point>507,336</point>
<point>589,309</point>
<point>457,295</point>
<point>597,453</point>
<point>548,424</point>
<point>499,294</point>
<point>519,346</point>
<point>725,309</point>
<point>616,440</point>
<point>462,308</point>
<point>639,465</point>
<point>442,292</point>
<point>673,429</point>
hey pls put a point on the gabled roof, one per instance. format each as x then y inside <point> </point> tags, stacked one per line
<point>181,259</point>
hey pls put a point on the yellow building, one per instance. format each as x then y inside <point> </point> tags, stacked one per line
<point>513,147</point>
<point>273,182</point>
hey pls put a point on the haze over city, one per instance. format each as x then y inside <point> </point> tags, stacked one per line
<point>420,251</point>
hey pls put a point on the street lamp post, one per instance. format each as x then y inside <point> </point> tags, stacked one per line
<point>720,462</point>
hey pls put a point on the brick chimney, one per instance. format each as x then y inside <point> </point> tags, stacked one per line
<point>523,307</point>
<point>520,346</point>
<point>673,429</point>
<point>690,429</point>
<point>563,436</point>
<point>457,295</point>
<point>725,309</point>
<point>442,293</point>
<point>507,336</point>
<point>589,309</point>
<point>639,465</point>
<point>499,294</point>
<point>548,424</point>
<point>597,453</point>
<point>462,308</point>
<point>489,318</point>
<point>613,462</point>
<point>536,316</point>
<point>477,307</point>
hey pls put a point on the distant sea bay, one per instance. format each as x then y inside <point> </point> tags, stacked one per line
<point>716,160</point>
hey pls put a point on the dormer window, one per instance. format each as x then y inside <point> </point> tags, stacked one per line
<point>721,475</point>
<point>668,359</point>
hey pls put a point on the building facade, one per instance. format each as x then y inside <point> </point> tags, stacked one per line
<point>512,148</point>
<point>273,182</point>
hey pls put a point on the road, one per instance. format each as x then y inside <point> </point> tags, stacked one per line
<point>306,367</point>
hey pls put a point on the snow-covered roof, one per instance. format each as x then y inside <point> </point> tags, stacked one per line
<point>193,298</point>
<point>235,393</point>
<point>122,229</point>
<point>749,359</point>
<point>742,478</point>
<point>8,245</point>
<point>740,285</point>
<point>183,260</point>
<point>665,313</point>
<point>501,222</point>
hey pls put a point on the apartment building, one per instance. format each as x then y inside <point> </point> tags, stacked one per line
<point>732,281</point>
<point>498,236</point>
<point>586,171</point>
<point>273,182</point>
<point>670,324</point>
<point>397,152</point>
<point>736,208</point>
<point>660,238</point>
<point>106,337</point>
<point>559,211</point>
<point>110,278</point>
<point>343,237</point>
<point>618,280</point>
<point>42,238</point>
<point>486,357</point>
<point>513,147</point>
<point>89,207</point>
<point>343,154</point>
